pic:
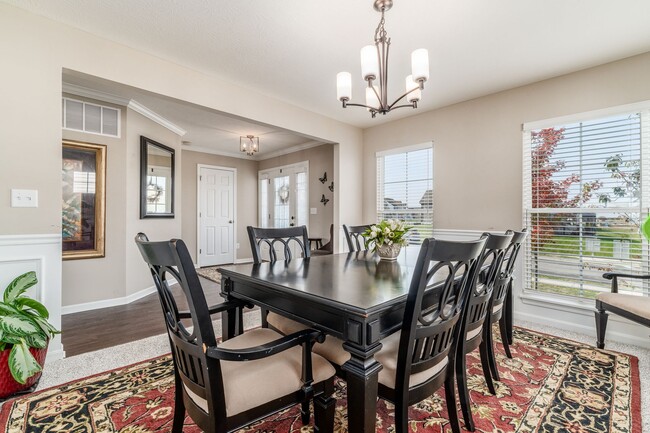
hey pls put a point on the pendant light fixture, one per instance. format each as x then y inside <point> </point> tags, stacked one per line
<point>249,144</point>
<point>374,70</point>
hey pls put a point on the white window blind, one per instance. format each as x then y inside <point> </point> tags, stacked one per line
<point>585,196</point>
<point>405,190</point>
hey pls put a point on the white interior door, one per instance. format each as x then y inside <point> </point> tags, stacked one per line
<point>216,216</point>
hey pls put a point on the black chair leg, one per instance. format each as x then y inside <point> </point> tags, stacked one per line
<point>508,313</point>
<point>491,353</point>
<point>304,412</point>
<point>601,325</point>
<point>179,406</point>
<point>450,397</point>
<point>463,392</point>
<point>485,365</point>
<point>401,417</point>
<point>324,407</point>
<point>504,338</point>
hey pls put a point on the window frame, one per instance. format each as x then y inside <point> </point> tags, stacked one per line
<point>530,295</point>
<point>380,182</point>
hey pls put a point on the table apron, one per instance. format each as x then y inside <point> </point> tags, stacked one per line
<point>362,331</point>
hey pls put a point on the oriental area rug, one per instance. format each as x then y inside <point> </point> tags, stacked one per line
<point>550,385</point>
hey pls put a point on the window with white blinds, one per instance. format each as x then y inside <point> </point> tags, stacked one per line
<point>405,189</point>
<point>585,197</point>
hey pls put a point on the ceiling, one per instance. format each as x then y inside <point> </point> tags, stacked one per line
<point>292,49</point>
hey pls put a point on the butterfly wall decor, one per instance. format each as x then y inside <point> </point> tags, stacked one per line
<point>324,178</point>
<point>324,200</point>
<point>331,187</point>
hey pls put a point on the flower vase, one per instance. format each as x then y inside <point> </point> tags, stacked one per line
<point>388,252</point>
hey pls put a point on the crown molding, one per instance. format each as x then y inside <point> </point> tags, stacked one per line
<point>203,149</point>
<point>240,155</point>
<point>299,147</point>
<point>134,105</point>
<point>85,92</point>
<point>151,115</point>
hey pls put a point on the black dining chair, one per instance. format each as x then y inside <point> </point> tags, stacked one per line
<point>632,307</point>
<point>277,240</point>
<point>227,386</point>
<point>354,237</point>
<point>405,378</point>
<point>420,358</point>
<point>473,332</point>
<point>506,321</point>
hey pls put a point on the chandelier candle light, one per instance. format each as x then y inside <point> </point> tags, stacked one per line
<point>249,144</point>
<point>374,69</point>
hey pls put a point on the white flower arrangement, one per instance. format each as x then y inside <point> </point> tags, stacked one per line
<point>387,232</point>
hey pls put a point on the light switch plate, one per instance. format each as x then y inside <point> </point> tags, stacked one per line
<point>313,210</point>
<point>24,198</point>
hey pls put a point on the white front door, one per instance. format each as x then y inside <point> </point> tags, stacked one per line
<point>216,216</point>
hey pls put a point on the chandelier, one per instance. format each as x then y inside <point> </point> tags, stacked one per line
<point>374,69</point>
<point>249,144</point>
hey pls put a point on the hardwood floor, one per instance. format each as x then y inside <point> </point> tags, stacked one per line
<point>98,329</point>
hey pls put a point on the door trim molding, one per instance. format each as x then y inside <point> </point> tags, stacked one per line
<point>198,209</point>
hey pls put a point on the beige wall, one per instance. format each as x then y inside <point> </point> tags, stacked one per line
<point>37,50</point>
<point>478,143</point>
<point>137,274</point>
<point>121,272</point>
<point>246,198</point>
<point>321,160</point>
<point>90,280</point>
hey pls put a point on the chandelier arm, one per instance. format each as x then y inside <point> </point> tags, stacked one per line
<point>349,104</point>
<point>390,107</point>
<point>411,105</point>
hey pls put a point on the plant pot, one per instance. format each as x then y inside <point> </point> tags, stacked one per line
<point>8,385</point>
<point>389,252</point>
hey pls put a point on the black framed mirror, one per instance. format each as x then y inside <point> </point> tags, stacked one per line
<point>156,179</point>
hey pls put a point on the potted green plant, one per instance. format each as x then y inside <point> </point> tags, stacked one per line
<point>387,238</point>
<point>24,336</point>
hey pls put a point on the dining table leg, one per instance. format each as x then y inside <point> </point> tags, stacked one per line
<point>361,374</point>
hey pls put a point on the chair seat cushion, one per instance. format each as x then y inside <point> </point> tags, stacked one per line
<point>248,384</point>
<point>637,305</point>
<point>331,349</point>
<point>387,356</point>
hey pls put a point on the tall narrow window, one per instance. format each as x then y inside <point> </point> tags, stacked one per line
<point>584,202</point>
<point>405,189</point>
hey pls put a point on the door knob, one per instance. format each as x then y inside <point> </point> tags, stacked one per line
<point>230,222</point>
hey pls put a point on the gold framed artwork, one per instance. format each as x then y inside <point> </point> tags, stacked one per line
<point>84,200</point>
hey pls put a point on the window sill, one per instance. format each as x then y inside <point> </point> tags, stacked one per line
<point>564,302</point>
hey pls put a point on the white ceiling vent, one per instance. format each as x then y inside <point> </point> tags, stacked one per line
<point>91,118</point>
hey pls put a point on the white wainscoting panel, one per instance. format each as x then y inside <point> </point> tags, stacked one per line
<point>41,254</point>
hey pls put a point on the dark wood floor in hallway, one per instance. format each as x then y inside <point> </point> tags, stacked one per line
<point>98,329</point>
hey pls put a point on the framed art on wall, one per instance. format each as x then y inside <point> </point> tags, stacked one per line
<point>84,200</point>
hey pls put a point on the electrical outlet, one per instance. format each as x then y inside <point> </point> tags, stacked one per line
<point>24,198</point>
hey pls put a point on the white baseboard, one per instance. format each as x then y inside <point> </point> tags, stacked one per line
<point>54,355</point>
<point>611,334</point>
<point>106,303</point>
<point>246,260</point>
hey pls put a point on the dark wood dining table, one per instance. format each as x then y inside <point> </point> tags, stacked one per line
<point>352,296</point>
